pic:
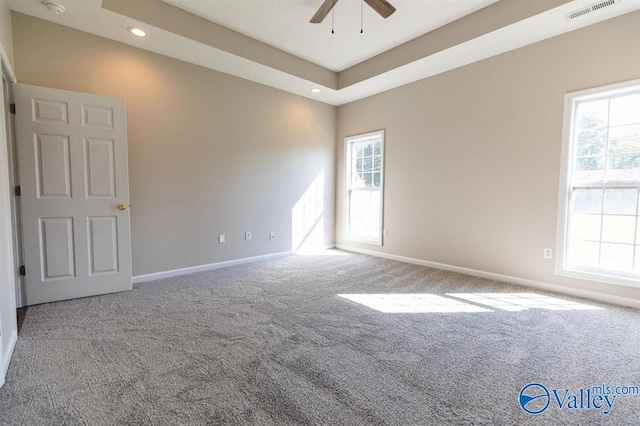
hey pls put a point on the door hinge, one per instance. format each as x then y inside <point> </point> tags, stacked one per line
<point>17,191</point>
<point>12,108</point>
<point>22,271</point>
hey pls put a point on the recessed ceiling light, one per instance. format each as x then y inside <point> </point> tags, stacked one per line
<point>137,31</point>
<point>315,90</point>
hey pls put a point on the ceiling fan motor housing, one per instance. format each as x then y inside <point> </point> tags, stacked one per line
<point>56,8</point>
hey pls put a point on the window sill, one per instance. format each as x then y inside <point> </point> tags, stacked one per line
<point>599,277</point>
<point>364,241</point>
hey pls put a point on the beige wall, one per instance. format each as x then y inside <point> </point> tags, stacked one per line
<point>208,153</point>
<point>473,155</point>
<point>6,37</point>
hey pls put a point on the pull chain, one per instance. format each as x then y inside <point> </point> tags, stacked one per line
<point>333,16</point>
<point>361,16</point>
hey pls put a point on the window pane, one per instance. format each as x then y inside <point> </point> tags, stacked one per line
<point>357,181</point>
<point>592,114</point>
<point>589,168</point>
<point>376,163</point>
<point>376,179</point>
<point>624,140</point>
<point>368,179</point>
<point>618,229</point>
<point>592,143</point>
<point>367,163</point>
<point>616,257</point>
<point>621,201</point>
<point>376,148</point>
<point>626,161</point>
<point>584,253</point>
<point>368,149</point>
<point>587,200</point>
<point>359,164</point>
<point>585,227</point>
<point>590,163</point>
<point>624,167</point>
<point>365,214</point>
<point>625,110</point>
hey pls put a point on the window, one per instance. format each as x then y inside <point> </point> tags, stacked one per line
<point>599,229</point>
<point>364,174</point>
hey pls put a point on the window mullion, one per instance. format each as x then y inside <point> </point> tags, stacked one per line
<point>635,236</point>
<point>604,190</point>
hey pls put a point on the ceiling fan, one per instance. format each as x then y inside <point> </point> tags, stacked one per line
<point>383,7</point>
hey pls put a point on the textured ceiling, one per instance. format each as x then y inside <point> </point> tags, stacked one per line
<point>285,25</point>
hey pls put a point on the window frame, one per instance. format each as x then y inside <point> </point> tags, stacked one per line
<point>564,193</point>
<point>348,143</point>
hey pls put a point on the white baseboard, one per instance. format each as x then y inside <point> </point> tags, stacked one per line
<point>201,268</point>
<point>7,357</point>
<point>570,291</point>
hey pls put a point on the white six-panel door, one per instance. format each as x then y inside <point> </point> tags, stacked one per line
<point>72,150</point>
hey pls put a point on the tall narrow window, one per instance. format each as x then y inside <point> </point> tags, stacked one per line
<point>365,154</point>
<point>599,219</point>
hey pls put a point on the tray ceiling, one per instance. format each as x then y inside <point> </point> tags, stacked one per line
<point>273,43</point>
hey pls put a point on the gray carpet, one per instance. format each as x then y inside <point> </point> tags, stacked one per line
<point>273,343</point>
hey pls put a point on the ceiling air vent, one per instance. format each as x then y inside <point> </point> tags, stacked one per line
<point>592,8</point>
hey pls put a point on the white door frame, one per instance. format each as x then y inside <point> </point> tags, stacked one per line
<point>16,214</point>
<point>7,292</point>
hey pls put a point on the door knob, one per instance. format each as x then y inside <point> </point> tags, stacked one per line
<point>122,206</point>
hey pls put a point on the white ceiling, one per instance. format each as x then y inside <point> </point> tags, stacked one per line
<point>349,47</point>
<point>285,24</point>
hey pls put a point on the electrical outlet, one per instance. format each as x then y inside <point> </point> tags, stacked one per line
<point>247,235</point>
<point>385,233</point>
<point>272,235</point>
<point>221,239</point>
<point>547,253</point>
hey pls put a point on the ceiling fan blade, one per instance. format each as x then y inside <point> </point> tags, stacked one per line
<point>383,7</point>
<point>323,11</point>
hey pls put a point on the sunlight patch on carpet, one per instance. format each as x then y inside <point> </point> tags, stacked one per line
<point>396,303</point>
<point>515,302</point>
<point>417,303</point>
